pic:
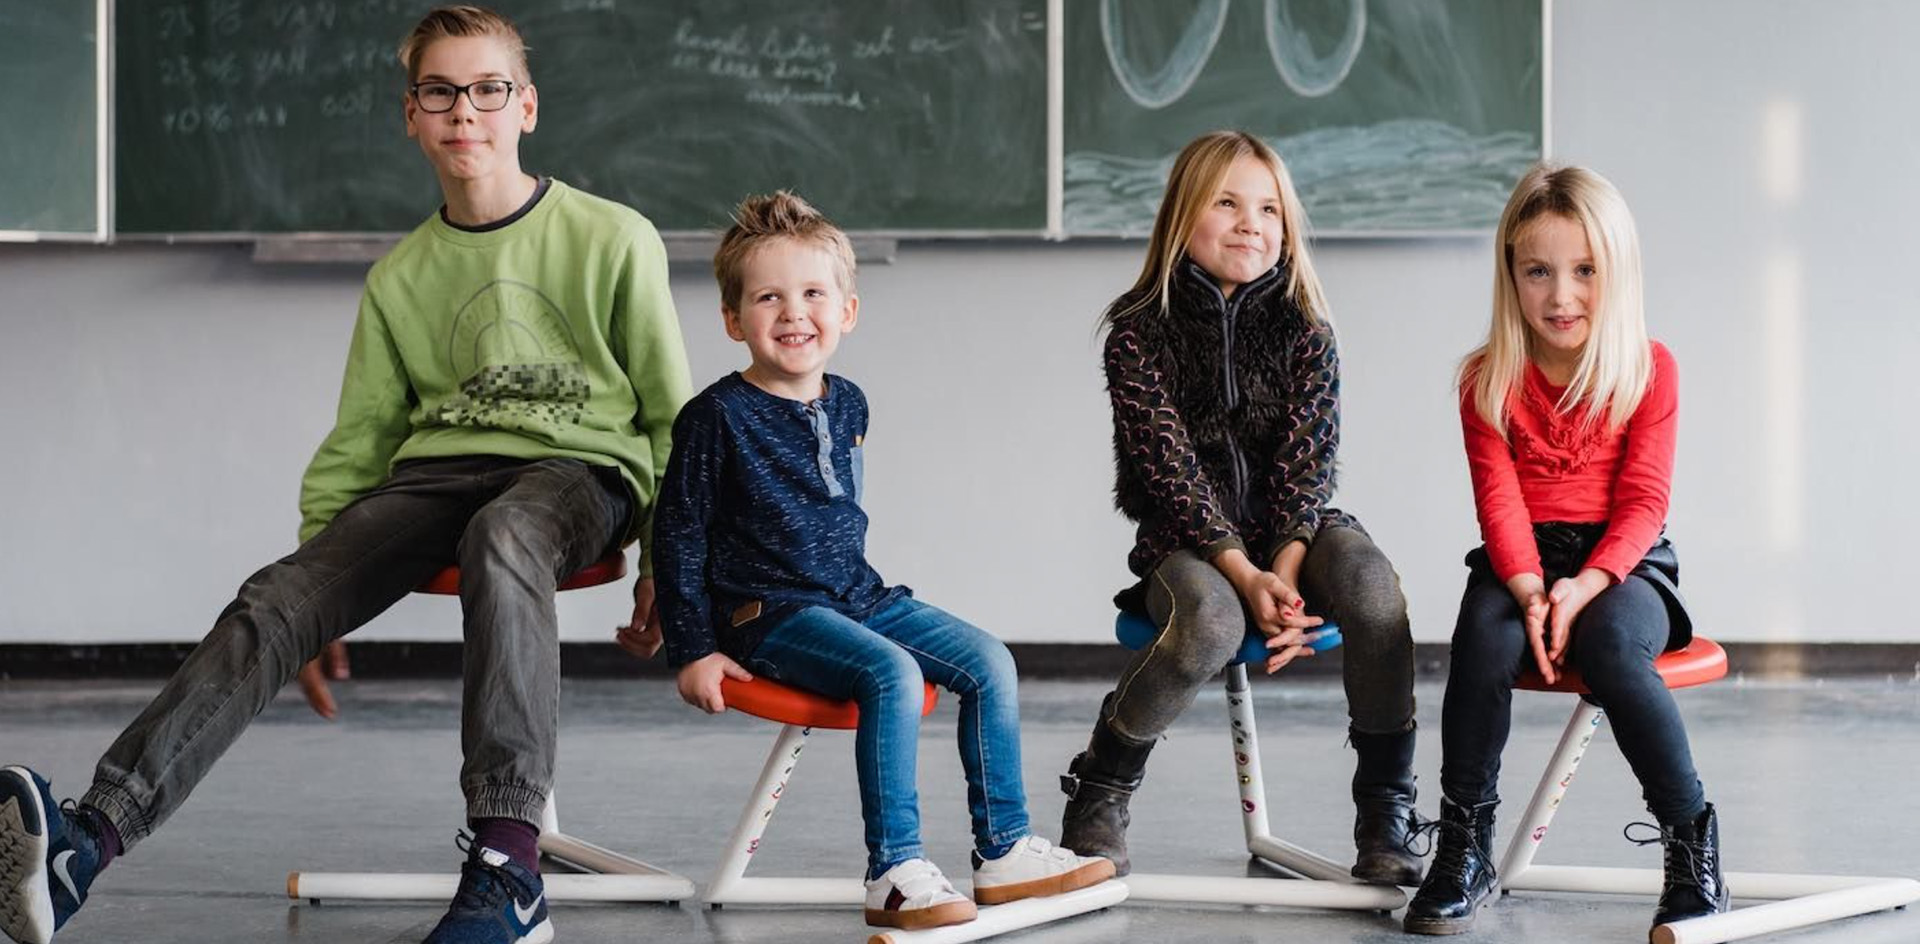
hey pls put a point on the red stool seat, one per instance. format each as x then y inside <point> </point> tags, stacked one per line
<point>1702,661</point>
<point>766,698</point>
<point>605,570</point>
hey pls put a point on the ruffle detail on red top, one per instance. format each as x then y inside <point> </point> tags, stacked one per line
<point>1569,443</point>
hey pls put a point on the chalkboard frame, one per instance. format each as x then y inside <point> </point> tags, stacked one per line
<point>103,144</point>
<point>288,245</point>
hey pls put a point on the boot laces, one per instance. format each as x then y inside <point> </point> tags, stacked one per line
<point>1451,858</point>
<point>1688,862</point>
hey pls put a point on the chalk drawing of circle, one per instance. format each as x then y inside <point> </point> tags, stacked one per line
<point>509,323</point>
<point>1176,75</point>
<point>1308,74</point>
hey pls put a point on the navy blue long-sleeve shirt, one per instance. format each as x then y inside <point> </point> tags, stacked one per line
<point>759,517</point>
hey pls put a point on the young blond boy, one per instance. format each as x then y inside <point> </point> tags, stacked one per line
<point>761,545</point>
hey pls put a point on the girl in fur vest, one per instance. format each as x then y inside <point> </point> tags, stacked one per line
<point>1226,413</point>
<point>1570,415</point>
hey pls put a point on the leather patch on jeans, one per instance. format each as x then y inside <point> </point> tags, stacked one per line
<point>746,613</point>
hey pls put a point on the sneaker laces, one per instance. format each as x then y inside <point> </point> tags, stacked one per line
<point>1698,865</point>
<point>478,878</point>
<point>71,812</point>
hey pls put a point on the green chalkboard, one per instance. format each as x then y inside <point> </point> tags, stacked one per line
<point>49,107</point>
<point>274,116</point>
<point>1394,116</point>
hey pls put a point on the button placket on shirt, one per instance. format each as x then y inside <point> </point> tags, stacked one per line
<point>823,436</point>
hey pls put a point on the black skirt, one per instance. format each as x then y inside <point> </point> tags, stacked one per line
<point>1564,548</point>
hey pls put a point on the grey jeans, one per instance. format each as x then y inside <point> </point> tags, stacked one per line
<point>515,527</point>
<point>1344,577</point>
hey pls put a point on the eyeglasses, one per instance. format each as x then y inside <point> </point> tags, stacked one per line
<point>486,95</point>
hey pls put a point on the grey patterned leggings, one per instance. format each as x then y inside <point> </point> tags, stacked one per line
<point>1345,578</point>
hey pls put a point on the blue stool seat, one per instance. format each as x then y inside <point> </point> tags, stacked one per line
<point>1135,632</point>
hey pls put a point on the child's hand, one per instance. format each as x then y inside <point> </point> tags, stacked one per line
<point>641,636</point>
<point>313,677</point>
<point>1289,645</point>
<point>1571,595</point>
<point>1530,591</point>
<point>700,681</point>
<point>1275,605</point>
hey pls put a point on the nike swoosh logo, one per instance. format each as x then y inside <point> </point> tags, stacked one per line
<point>526,914</point>
<point>60,872</point>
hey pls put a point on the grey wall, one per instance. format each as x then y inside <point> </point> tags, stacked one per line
<point>157,404</point>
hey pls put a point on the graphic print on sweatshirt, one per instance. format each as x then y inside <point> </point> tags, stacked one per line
<point>515,354</point>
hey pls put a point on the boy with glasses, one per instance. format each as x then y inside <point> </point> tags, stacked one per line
<point>509,393</point>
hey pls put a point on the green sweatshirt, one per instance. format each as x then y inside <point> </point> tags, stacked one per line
<point>552,336</point>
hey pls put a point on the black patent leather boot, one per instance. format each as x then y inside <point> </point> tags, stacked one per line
<point>1461,877</point>
<point>1694,884</point>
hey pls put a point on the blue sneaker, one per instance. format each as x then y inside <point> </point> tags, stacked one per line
<point>47,859</point>
<point>498,902</point>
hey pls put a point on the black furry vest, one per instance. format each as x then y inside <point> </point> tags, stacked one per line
<point>1227,368</point>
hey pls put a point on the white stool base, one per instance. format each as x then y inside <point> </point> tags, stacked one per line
<point>612,877</point>
<point>1876,895</point>
<point>1013,916</point>
<point>1208,890</point>
<point>316,887</point>
<point>1795,900</point>
<point>731,885</point>
<point>1323,882</point>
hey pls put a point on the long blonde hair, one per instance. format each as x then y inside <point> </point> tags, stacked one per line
<point>1616,363</point>
<point>1197,175</point>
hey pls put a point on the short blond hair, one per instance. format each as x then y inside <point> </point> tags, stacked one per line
<point>1197,176</point>
<point>1617,363</point>
<point>763,218</point>
<point>458,21</point>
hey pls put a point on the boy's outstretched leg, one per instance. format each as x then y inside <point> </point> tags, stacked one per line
<point>48,858</point>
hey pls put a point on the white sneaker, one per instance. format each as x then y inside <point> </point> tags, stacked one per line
<point>914,895</point>
<point>1035,867</point>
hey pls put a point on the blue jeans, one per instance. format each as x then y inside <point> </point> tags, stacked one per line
<point>880,665</point>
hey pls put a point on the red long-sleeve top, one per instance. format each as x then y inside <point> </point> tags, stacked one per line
<point>1550,470</point>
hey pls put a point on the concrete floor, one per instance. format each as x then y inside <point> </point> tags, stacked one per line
<point>1809,777</point>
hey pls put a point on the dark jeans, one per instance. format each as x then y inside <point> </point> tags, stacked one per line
<point>1614,642</point>
<point>1345,577</point>
<point>515,527</point>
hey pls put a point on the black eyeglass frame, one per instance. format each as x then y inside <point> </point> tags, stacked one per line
<point>459,90</point>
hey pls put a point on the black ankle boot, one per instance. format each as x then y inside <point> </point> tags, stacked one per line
<point>1462,875</point>
<point>1383,796</point>
<point>1694,885</point>
<point>1098,784</point>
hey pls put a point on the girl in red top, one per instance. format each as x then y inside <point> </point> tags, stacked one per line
<point>1569,413</point>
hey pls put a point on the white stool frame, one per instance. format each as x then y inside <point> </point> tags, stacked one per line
<point>608,876</point>
<point>1326,884</point>
<point>731,885</point>
<point>1795,900</point>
